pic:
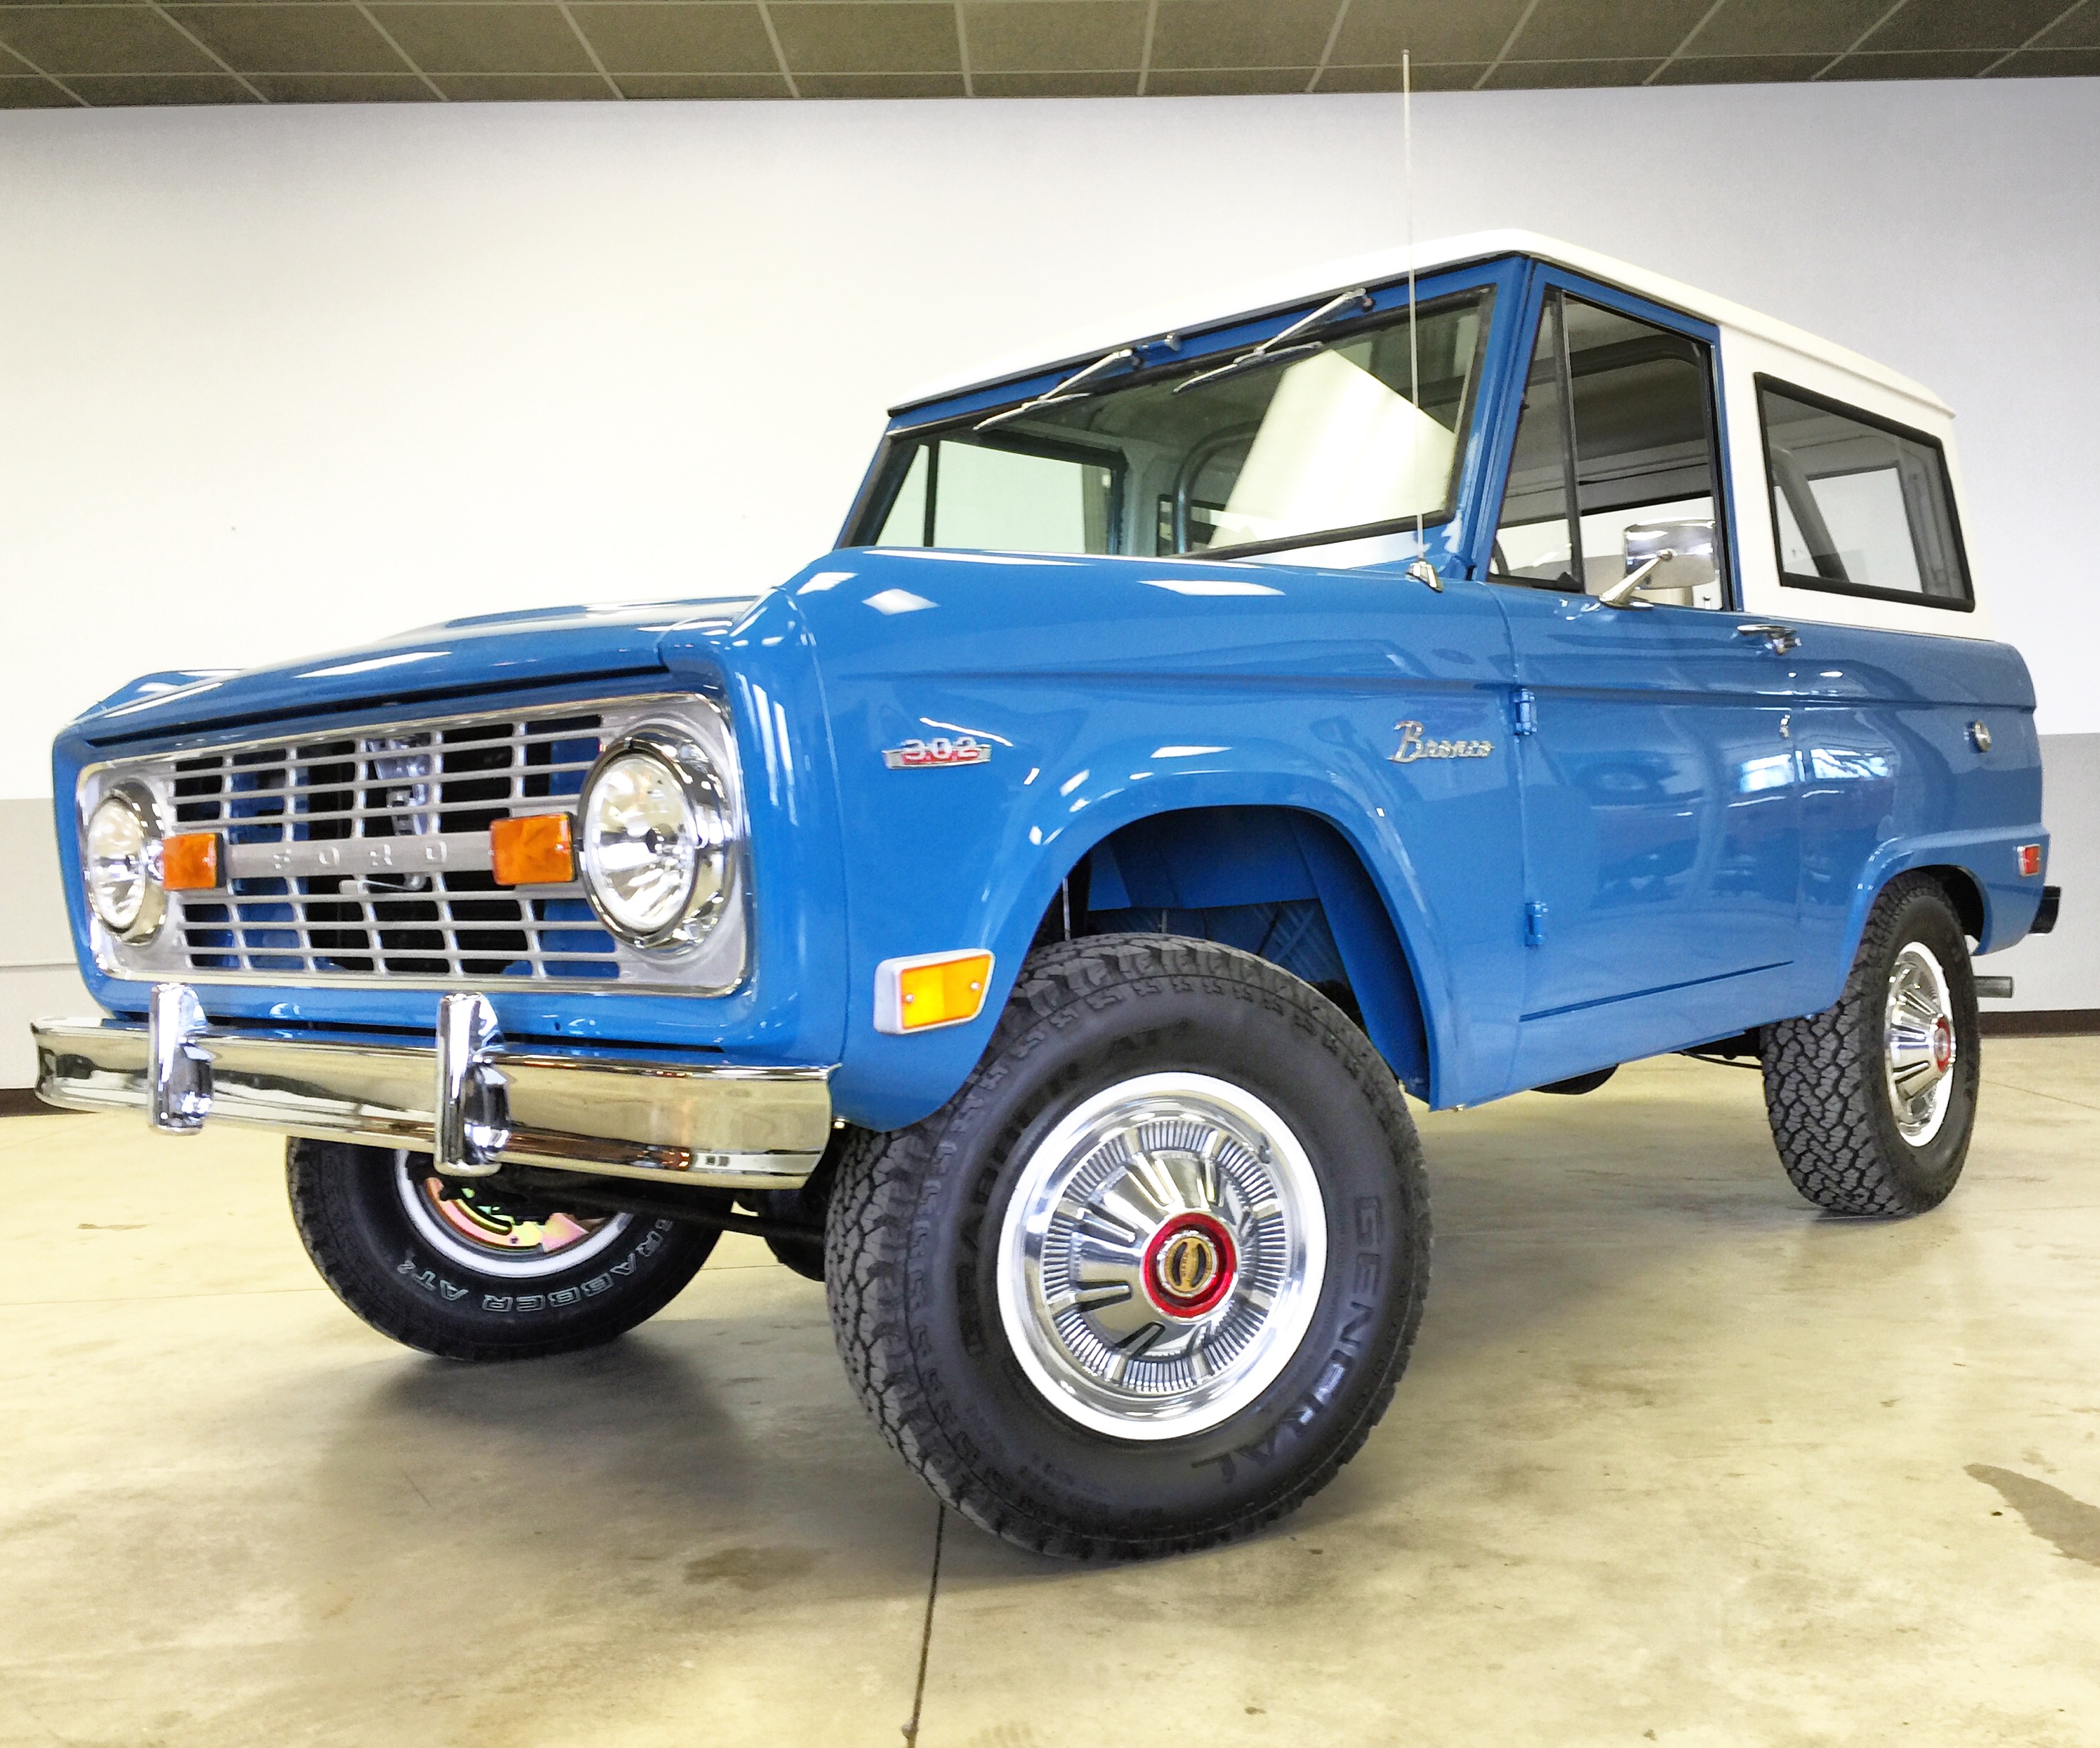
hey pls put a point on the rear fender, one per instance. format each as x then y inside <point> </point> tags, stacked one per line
<point>1996,904</point>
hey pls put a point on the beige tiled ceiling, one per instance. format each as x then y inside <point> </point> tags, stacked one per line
<point>1058,37</point>
<point>60,53</point>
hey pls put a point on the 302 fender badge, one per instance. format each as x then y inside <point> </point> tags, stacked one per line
<point>930,755</point>
<point>1413,747</point>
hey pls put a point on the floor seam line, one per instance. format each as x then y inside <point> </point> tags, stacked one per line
<point>2078,1104</point>
<point>926,1633</point>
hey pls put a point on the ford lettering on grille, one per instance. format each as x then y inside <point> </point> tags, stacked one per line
<point>367,855</point>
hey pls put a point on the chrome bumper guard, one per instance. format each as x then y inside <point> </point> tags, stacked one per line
<point>470,1104</point>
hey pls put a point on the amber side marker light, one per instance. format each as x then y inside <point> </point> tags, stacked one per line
<point>189,861</point>
<point>2030,860</point>
<point>927,989</point>
<point>534,851</point>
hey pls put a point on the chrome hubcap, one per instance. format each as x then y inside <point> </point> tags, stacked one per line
<point>1161,1256</point>
<point>1919,1036</point>
<point>478,1232</point>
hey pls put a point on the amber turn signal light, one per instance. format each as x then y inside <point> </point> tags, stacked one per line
<point>534,851</point>
<point>916,994</point>
<point>189,863</point>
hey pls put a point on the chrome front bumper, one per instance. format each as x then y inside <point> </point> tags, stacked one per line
<point>471,1104</point>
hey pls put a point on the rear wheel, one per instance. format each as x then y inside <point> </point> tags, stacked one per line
<point>457,1269</point>
<point>1150,1277</point>
<point>1872,1100</point>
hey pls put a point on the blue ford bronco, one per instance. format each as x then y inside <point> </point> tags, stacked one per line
<point>1461,673</point>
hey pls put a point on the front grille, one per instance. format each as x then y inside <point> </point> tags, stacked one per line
<point>448,780</point>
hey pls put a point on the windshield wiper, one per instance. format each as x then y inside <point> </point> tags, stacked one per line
<point>1063,391</point>
<point>1277,349</point>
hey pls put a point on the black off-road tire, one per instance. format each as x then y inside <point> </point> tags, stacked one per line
<point>1825,1081</point>
<point>914,1232</point>
<point>349,1211</point>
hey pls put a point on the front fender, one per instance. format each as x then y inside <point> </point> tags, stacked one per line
<point>1134,704</point>
<point>889,1081</point>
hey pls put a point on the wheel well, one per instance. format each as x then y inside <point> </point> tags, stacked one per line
<point>1965,895</point>
<point>1279,883</point>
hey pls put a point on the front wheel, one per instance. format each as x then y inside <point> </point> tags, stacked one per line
<point>1149,1278</point>
<point>1872,1100</point>
<point>468,1273</point>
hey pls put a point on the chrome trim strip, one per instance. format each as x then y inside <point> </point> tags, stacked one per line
<point>716,1127</point>
<point>464,851</point>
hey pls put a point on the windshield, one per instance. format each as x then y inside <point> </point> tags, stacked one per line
<point>1321,444</point>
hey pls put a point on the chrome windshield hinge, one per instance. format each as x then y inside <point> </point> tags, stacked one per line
<point>470,1122</point>
<point>179,1065</point>
<point>1534,924</point>
<point>1524,711</point>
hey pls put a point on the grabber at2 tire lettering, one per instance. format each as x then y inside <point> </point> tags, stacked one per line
<point>468,1273</point>
<point>1872,1100</point>
<point>1150,1277</point>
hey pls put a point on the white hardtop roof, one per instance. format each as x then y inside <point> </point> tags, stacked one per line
<point>1301,284</point>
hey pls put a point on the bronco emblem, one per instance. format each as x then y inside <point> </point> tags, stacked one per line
<point>1414,747</point>
<point>926,755</point>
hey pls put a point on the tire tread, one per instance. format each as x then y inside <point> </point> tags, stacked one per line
<point>881,1175</point>
<point>1822,1080</point>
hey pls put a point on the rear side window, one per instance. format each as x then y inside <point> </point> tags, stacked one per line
<point>1860,506</point>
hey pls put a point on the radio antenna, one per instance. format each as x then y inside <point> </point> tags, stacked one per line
<point>1413,351</point>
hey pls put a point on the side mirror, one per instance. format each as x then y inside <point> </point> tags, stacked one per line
<point>1676,559</point>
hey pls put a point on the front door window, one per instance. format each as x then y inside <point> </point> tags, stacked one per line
<point>1616,433</point>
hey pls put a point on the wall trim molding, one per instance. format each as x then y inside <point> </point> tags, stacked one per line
<point>2044,1022</point>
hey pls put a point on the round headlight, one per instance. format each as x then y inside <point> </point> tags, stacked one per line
<point>120,855</point>
<point>656,840</point>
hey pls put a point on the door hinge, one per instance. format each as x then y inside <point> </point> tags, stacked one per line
<point>1524,711</point>
<point>1534,924</point>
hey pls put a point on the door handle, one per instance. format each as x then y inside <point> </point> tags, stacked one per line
<point>1779,639</point>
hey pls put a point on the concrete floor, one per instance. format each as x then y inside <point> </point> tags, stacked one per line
<point>1678,1461</point>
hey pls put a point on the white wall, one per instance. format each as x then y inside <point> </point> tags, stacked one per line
<point>2061,969</point>
<point>37,975</point>
<point>278,380</point>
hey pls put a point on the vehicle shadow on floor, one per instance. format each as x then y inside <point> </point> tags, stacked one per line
<point>729,1421</point>
<point>471,1543</point>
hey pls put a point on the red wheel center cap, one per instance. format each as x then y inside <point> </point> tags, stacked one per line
<point>1189,1266</point>
<point>1942,1045</point>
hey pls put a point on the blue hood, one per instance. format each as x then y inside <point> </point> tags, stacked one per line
<point>462,657</point>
